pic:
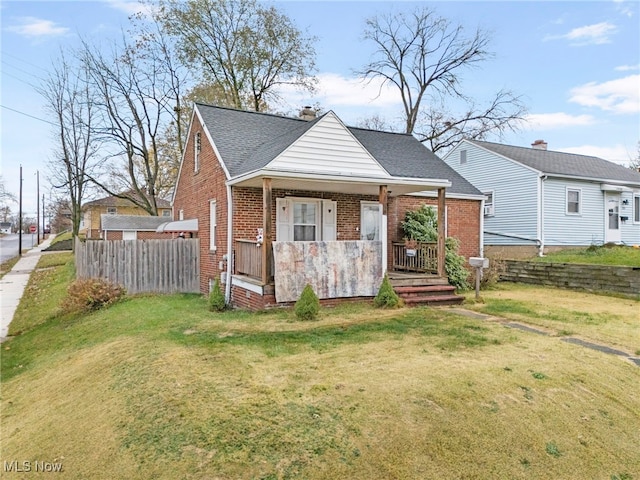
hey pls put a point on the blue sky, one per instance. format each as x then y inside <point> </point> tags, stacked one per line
<point>576,64</point>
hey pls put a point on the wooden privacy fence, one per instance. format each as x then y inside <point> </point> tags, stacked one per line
<point>141,266</point>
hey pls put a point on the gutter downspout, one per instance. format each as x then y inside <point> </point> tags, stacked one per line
<point>227,292</point>
<point>541,217</point>
<point>482,228</point>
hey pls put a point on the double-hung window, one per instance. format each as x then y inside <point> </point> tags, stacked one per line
<point>213,222</point>
<point>636,208</point>
<point>305,221</point>
<point>574,200</point>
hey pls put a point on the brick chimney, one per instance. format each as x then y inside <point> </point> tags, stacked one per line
<point>307,113</point>
<point>539,145</point>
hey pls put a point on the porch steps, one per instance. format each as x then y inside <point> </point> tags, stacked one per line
<point>425,290</point>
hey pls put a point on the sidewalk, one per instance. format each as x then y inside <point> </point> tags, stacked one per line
<point>12,285</point>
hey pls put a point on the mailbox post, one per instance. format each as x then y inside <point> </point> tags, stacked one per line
<point>478,263</point>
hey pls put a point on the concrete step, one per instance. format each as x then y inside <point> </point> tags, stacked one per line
<point>416,280</point>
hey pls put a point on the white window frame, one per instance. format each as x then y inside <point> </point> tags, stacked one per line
<point>489,207</point>
<point>566,203</point>
<point>197,147</point>
<point>636,207</point>
<point>213,223</point>
<point>181,214</point>
<point>318,208</point>
<point>463,157</point>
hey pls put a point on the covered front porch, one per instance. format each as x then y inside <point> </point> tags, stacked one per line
<point>344,265</point>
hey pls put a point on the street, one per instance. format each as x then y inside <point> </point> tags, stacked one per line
<point>9,245</point>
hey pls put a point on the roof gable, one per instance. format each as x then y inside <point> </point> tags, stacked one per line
<point>563,164</point>
<point>328,146</point>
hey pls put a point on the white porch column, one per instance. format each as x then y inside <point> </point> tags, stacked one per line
<point>384,227</point>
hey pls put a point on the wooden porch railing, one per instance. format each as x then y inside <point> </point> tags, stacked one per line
<point>425,259</point>
<point>248,258</point>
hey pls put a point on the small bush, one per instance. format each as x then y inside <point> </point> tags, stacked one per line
<point>216,298</point>
<point>91,294</point>
<point>308,305</point>
<point>454,265</point>
<point>386,297</point>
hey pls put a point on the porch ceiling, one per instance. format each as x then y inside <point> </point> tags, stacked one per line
<point>339,183</point>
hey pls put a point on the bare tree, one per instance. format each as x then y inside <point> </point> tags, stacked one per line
<point>138,96</point>
<point>634,163</point>
<point>246,49</point>
<point>70,102</point>
<point>424,56</point>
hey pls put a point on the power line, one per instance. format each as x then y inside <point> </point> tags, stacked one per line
<point>24,61</point>
<point>30,116</point>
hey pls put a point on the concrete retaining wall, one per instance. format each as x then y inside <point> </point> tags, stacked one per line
<point>593,278</point>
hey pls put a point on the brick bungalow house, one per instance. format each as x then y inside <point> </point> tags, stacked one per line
<point>281,202</point>
<point>92,214</point>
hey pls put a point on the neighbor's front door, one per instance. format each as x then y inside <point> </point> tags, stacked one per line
<point>612,218</point>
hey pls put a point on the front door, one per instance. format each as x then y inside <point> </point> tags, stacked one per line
<point>612,218</point>
<point>370,216</point>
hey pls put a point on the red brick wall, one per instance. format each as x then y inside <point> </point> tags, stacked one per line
<point>463,220</point>
<point>194,191</point>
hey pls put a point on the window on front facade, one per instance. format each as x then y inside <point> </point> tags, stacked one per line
<point>212,225</point>
<point>112,211</point>
<point>636,208</point>
<point>305,225</point>
<point>463,157</point>
<point>574,197</point>
<point>197,146</point>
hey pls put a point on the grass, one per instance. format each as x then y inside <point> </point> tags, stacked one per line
<point>603,319</point>
<point>598,255</point>
<point>159,387</point>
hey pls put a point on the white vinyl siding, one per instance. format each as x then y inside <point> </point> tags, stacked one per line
<point>213,223</point>
<point>328,148</point>
<point>561,228</point>
<point>515,193</point>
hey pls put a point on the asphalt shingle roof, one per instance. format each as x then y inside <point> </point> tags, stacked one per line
<point>565,164</point>
<point>248,141</point>
<point>132,222</point>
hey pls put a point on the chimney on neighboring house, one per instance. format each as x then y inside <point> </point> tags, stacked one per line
<point>539,145</point>
<point>307,113</point>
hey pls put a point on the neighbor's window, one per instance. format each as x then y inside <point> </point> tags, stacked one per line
<point>181,214</point>
<point>197,146</point>
<point>166,212</point>
<point>305,222</point>
<point>636,208</point>
<point>212,225</point>
<point>112,211</point>
<point>574,197</point>
<point>489,206</point>
<point>463,157</point>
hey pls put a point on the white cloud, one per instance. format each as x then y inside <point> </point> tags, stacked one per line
<point>548,121</point>
<point>130,7</point>
<point>335,91</point>
<point>596,34</point>
<point>627,68</point>
<point>33,27</point>
<point>624,8</point>
<point>616,153</point>
<point>621,96</point>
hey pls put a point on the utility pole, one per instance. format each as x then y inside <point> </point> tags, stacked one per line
<point>38,206</point>
<point>20,216</point>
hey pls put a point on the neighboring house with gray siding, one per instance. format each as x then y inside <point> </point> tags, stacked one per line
<point>543,199</point>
